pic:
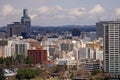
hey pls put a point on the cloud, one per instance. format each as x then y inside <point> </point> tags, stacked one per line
<point>96,12</point>
<point>45,10</point>
<point>60,16</point>
<point>59,8</point>
<point>33,16</point>
<point>7,9</point>
<point>77,12</point>
<point>65,17</point>
<point>97,9</point>
<point>117,11</point>
<point>72,14</point>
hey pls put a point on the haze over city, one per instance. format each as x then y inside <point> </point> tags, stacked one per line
<point>60,12</point>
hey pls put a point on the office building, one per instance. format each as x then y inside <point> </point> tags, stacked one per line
<point>67,46</point>
<point>84,53</point>
<point>92,65</point>
<point>20,28</point>
<point>99,29</point>
<point>21,48</point>
<point>16,29</point>
<point>26,20</point>
<point>112,46</point>
<point>53,51</point>
<point>38,56</point>
<point>15,47</point>
<point>99,55</point>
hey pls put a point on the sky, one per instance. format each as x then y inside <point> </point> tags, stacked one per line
<point>60,12</point>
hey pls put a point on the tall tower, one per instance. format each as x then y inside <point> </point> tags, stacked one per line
<point>99,29</point>
<point>112,46</point>
<point>26,20</point>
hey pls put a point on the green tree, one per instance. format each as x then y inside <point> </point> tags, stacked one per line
<point>38,71</point>
<point>28,60</point>
<point>12,60</point>
<point>59,68</point>
<point>1,60</point>
<point>21,74</point>
<point>94,72</point>
<point>7,61</point>
<point>2,74</point>
<point>20,59</point>
<point>27,73</point>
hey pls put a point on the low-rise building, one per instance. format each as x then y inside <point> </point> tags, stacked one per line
<point>92,65</point>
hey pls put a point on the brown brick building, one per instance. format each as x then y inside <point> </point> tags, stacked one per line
<point>38,56</point>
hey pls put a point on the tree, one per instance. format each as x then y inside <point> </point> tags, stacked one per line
<point>1,60</point>
<point>12,60</point>
<point>21,74</point>
<point>8,61</point>
<point>28,60</point>
<point>20,58</point>
<point>2,74</point>
<point>38,71</point>
<point>95,72</point>
<point>27,73</point>
<point>59,68</point>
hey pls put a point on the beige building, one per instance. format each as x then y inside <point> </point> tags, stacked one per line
<point>1,51</point>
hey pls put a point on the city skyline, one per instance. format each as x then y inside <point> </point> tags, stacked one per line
<point>59,12</point>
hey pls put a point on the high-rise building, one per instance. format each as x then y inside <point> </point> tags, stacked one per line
<point>99,29</point>
<point>16,29</point>
<point>112,46</point>
<point>26,20</point>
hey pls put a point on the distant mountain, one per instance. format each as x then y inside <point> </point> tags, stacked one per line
<point>64,28</point>
<point>59,28</point>
<point>3,29</point>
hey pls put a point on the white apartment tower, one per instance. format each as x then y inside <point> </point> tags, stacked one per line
<point>112,46</point>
